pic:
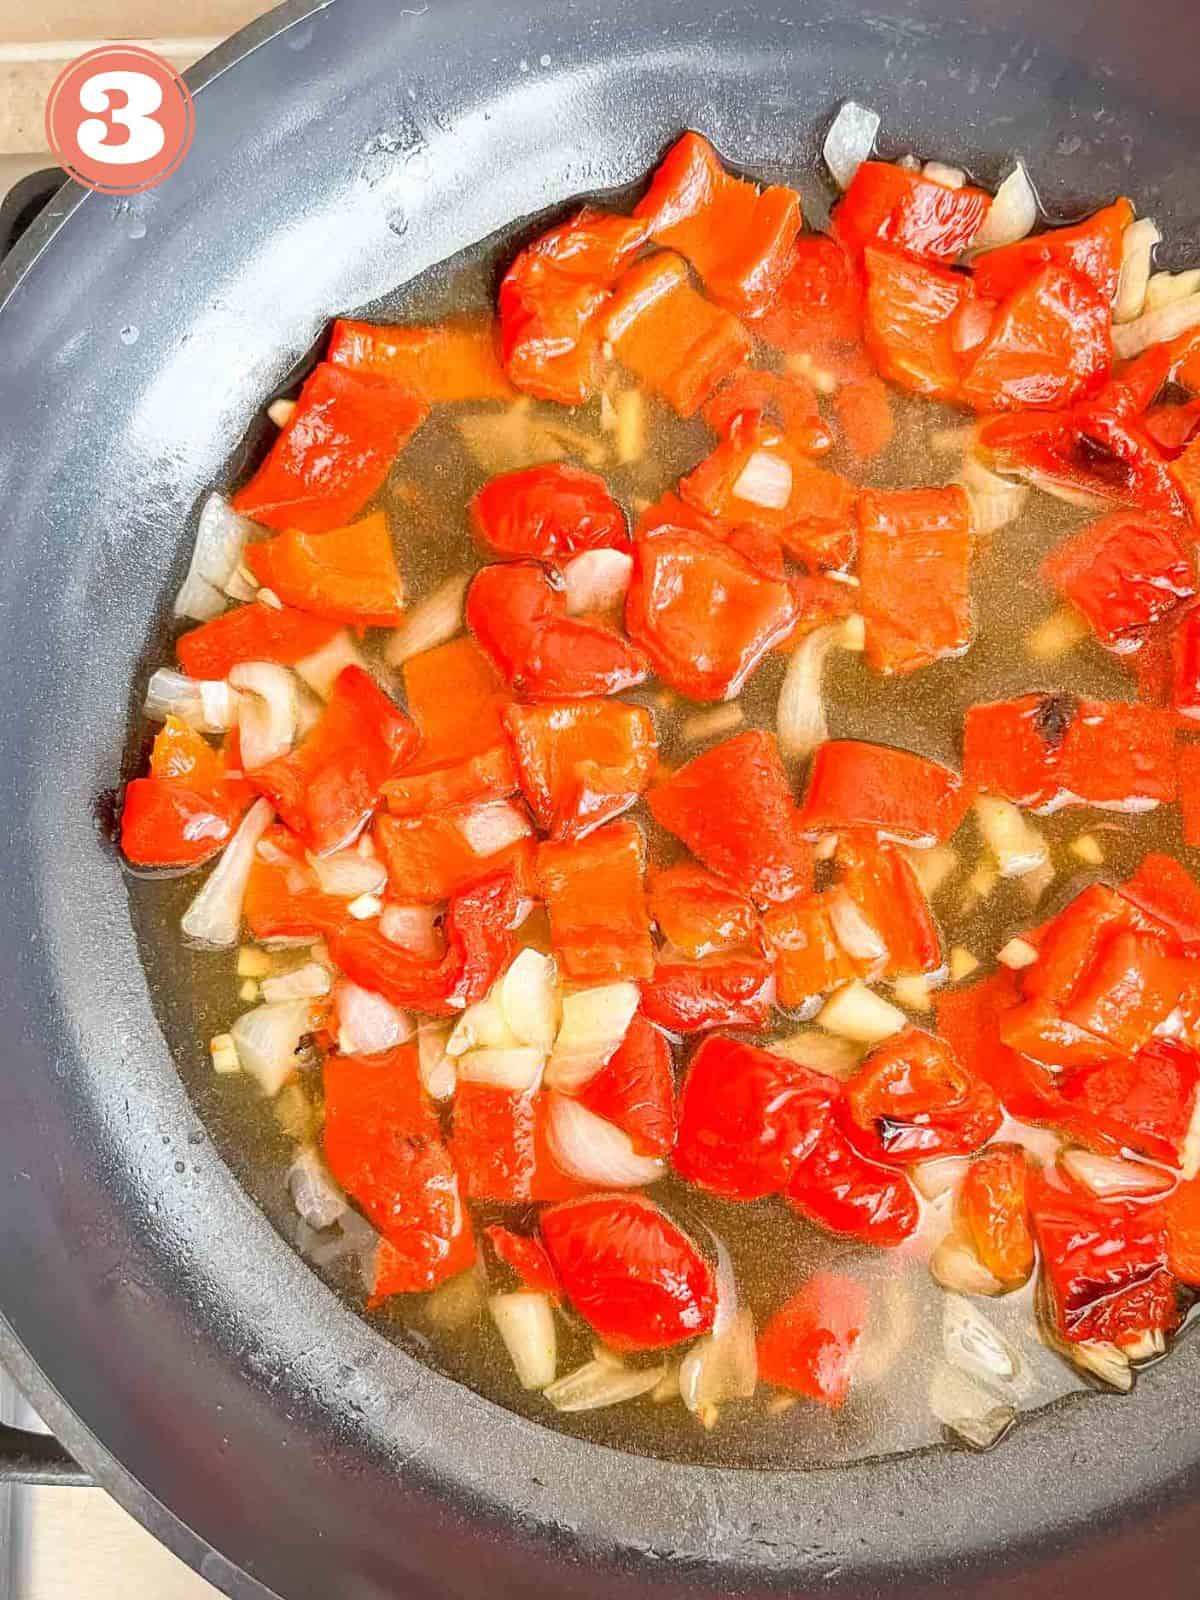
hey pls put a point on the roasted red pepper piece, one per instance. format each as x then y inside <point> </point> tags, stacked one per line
<point>166,823</point>
<point>493,1143</point>
<point>283,899</point>
<point>817,314</point>
<point>757,475</point>
<point>326,789</point>
<point>912,312</point>
<point>1184,473</point>
<point>551,299</point>
<point>786,402</point>
<point>1183,1231</point>
<point>670,337</point>
<point>490,775</point>
<point>703,614</point>
<point>1091,248</point>
<point>747,1118</point>
<point>1050,344</point>
<point>251,633</point>
<point>718,992</point>
<point>883,885</point>
<point>443,363</point>
<point>431,857</point>
<point>456,699</point>
<point>519,619</point>
<point>526,1257</point>
<point>1165,891</point>
<point>1173,428</point>
<point>1146,1102</point>
<point>345,574</point>
<point>1189,792</point>
<point>547,513</point>
<point>1135,384</point>
<point>1105,1265</point>
<point>970,1020</point>
<point>1123,573</point>
<point>582,763</point>
<point>383,1146</point>
<point>887,204</point>
<point>809,961</point>
<point>736,235</point>
<point>912,1099</point>
<point>635,1089</point>
<point>865,418</point>
<point>993,1207</point>
<point>597,904</point>
<point>913,561</point>
<point>333,452</point>
<point>841,1190</point>
<point>895,793</point>
<point>630,1273</point>
<point>808,1345</point>
<point>732,806</point>
<point>1185,666</point>
<point>698,914</point>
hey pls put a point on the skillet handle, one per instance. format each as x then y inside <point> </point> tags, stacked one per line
<point>23,201</point>
<point>37,1458</point>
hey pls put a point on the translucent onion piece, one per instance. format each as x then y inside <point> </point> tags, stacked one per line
<point>975,1347</point>
<point>995,501</point>
<point>214,917</point>
<point>320,670</point>
<point>304,983</point>
<point>527,995</point>
<point>594,1150</point>
<point>934,867</point>
<point>970,1413</point>
<point>457,1303</point>
<point>955,1265</point>
<point>270,1039</point>
<point>1109,1176</point>
<point>887,1340</point>
<point>726,1286</point>
<point>437,1069</point>
<point>713,724</point>
<point>939,172</point>
<point>482,1026</point>
<point>208,706</point>
<point>850,141</point>
<point>860,939</point>
<point>800,721</point>
<point>220,539</point>
<point>855,1012</point>
<point>1012,214</point>
<point>525,1321</point>
<point>517,1069</point>
<point>369,1023</point>
<point>314,1193</point>
<point>432,621</point>
<point>268,712</point>
<point>1166,287</point>
<point>1137,258</point>
<point>198,600</point>
<point>594,1021</point>
<point>1013,840</point>
<point>347,874</point>
<point>721,1366</point>
<point>413,928</point>
<point>1145,1346</point>
<point>1017,954</point>
<point>601,1383</point>
<point>596,580</point>
<point>912,991</point>
<point>1155,327</point>
<point>765,480</point>
<point>493,826</point>
<point>940,1176</point>
<point>823,1052</point>
<point>355,1239</point>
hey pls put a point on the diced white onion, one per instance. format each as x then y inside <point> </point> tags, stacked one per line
<point>967,1410</point>
<point>413,928</point>
<point>198,600</point>
<point>1155,327</point>
<point>850,141</point>
<point>525,1321</point>
<point>1165,288</point>
<point>939,172</point>
<point>432,621</point>
<point>956,1266</point>
<point>1137,257</point>
<point>975,1346</point>
<point>208,705</point>
<point>940,1176</point>
<point>493,826</point>
<point>911,990</point>
<point>933,867</point>
<point>482,1026</point>
<point>600,1384</point>
<point>438,1072</point>
<point>517,1068</point>
<point>347,874</point>
<point>860,939</point>
<point>596,580</point>
<point>457,1303</point>
<point>853,634</point>
<point>281,412</point>
<point>712,724</point>
<point>1013,840</point>
<point>1108,1176</point>
<point>314,1192</point>
<point>242,584</point>
<point>800,721</point>
<point>594,1021</point>
<point>365,906</point>
<point>304,983</point>
<point>214,917</point>
<point>223,1052</point>
<point>822,1052</point>
<point>995,501</point>
<point>269,1041</point>
<point>856,1012</point>
<point>369,1023</point>
<point>267,713</point>
<point>528,998</point>
<point>1012,213</point>
<point>594,1150</point>
<point>721,1366</point>
<point>1017,954</point>
<point>765,481</point>
<point>321,670</point>
<point>1108,1362</point>
<point>220,538</point>
<point>1144,1346</point>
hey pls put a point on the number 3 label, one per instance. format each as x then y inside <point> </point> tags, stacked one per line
<point>120,119</point>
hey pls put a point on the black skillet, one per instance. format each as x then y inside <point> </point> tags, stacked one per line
<point>194,1365</point>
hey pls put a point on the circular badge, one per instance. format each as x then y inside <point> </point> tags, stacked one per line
<point>119,119</point>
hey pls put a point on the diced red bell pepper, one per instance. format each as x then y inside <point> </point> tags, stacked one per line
<point>698,914</point>
<point>736,235</point>
<point>547,513</point>
<point>344,574</point>
<point>1189,792</point>
<point>635,1089</point>
<point>166,823</point>
<point>551,300</point>
<point>839,1189</point>
<point>443,363</point>
<point>456,699</point>
<point>283,899</point>
<point>912,312</point>
<point>671,338</point>
<point>582,763</point>
<point>1131,987</point>
<point>332,453</point>
<point>785,402</point>
<point>994,1209</point>
<point>1091,248</point>
<point>1183,1231</point>
<point>1185,665</point>
<point>1050,344</point>
<point>970,1020</point>
<point>756,461</point>
<point>733,808</point>
<point>702,613</point>
<point>430,857</point>
<point>635,1278</point>
<point>596,902</point>
<point>895,793</point>
<point>818,310</point>
<point>1134,385</point>
<point>747,1118</point>
<point>1146,1102</point>
<point>912,1099</point>
<point>519,619</point>
<point>1173,427</point>
<point>913,561</point>
<point>1184,473</point>
<point>808,1345</point>
<point>252,633</point>
<point>885,888</point>
<point>1165,891</point>
<point>1123,573</point>
<point>809,961</point>
<point>719,992</point>
<point>326,789</point>
<point>492,1142</point>
<point>384,1147</point>
<point>490,775</point>
<point>182,755</point>
<point>1105,1264</point>
<point>526,1257</point>
<point>887,204</point>
<point>865,418</point>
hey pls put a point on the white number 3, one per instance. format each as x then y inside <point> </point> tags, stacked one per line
<point>142,97</point>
